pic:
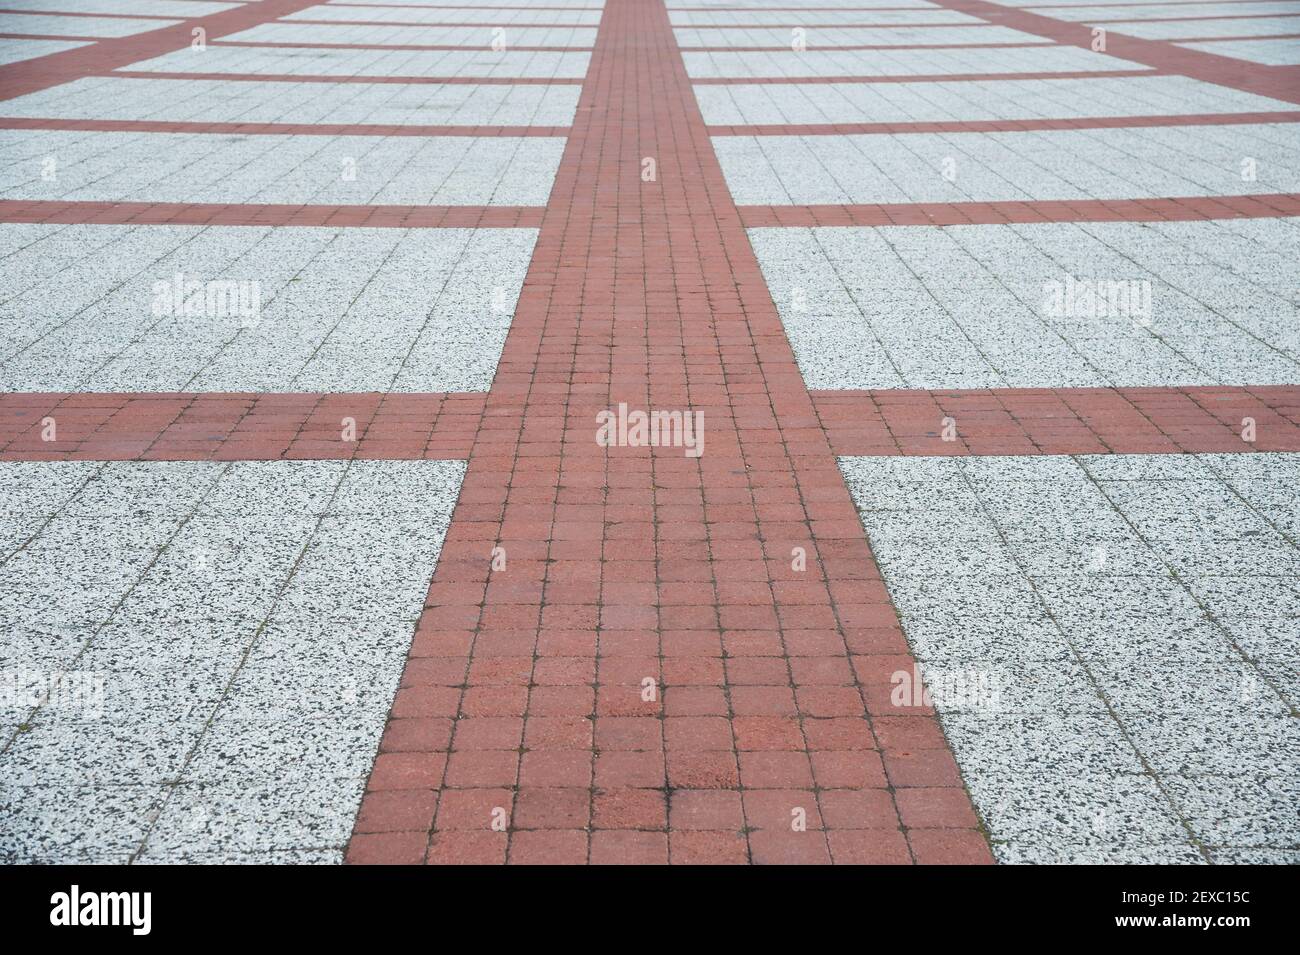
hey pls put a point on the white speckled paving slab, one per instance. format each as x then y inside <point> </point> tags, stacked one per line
<point>966,101</point>
<point>829,37</point>
<point>413,14</point>
<point>786,16</point>
<point>1267,52</point>
<point>1088,13</point>
<point>178,9</point>
<point>273,169</point>
<point>242,101</point>
<point>1173,29</point>
<point>226,640</point>
<point>323,61</point>
<point>1111,644</point>
<point>95,307</point>
<point>1133,163</point>
<point>787,63</point>
<point>976,306</point>
<point>15,51</point>
<point>77,26</point>
<point>389,35</point>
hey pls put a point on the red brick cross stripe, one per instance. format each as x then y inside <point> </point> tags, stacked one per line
<point>925,77</point>
<point>239,427</point>
<point>1178,209</point>
<point>276,129</point>
<point>1278,82</point>
<point>233,427</point>
<point>523,694</point>
<point>110,53</point>
<point>339,78</point>
<point>1006,125</point>
<point>213,213</point>
<point>1061,420</point>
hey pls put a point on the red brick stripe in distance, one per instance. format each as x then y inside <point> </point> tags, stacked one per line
<point>1005,125</point>
<point>628,563</point>
<point>1186,209</point>
<point>1278,82</point>
<point>275,129</point>
<point>925,77</point>
<point>327,78</point>
<point>195,213</point>
<point>29,76</point>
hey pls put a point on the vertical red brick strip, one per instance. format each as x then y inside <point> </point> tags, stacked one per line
<point>649,678</point>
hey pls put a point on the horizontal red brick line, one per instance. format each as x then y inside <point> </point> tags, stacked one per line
<point>111,53</point>
<point>1193,208</point>
<point>461,6</point>
<point>50,36</point>
<point>825,26</point>
<point>865,46</point>
<point>1235,16</point>
<point>922,77</point>
<point>82,13</point>
<point>275,129</point>
<point>1062,420</point>
<point>1277,82</point>
<point>1228,39</point>
<point>181,213</point>
<point>485,47</point>
<point>236,427</point>
<point>1006,125</point>
<point>326,78</point>
<point>420,23</point>
<point>1134,3</point>
<point>753,9</point>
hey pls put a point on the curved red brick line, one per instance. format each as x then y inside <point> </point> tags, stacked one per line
<point>630,562</point>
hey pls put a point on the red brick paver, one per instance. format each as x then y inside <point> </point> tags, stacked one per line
<point>650,674</point>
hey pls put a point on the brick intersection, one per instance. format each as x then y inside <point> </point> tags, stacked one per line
<point>642,563</point>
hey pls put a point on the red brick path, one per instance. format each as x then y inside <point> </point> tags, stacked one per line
<point>524,688</point>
